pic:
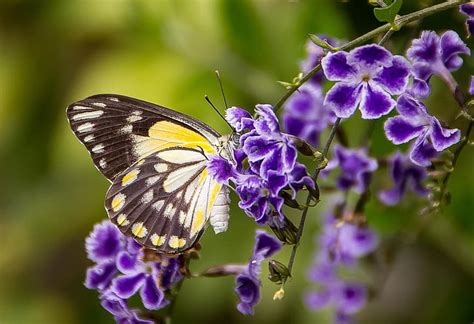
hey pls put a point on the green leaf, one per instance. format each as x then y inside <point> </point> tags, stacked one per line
<point>388,13</point>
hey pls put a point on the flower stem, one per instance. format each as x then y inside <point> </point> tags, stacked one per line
<point>309,198</point>
<point>399,22</point>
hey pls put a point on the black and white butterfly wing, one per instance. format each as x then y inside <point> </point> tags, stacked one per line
<point>156,158</point>
<point>165,200</point>
<point>118,130</point>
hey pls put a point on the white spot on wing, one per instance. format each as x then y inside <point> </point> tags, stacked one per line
<point>161,167</point>
<point>152,180</point>
<point>113,99</point>
<point>127,129</point>
<point>181,156</point>
<point>86,127</point>
<point>158,205</point>
<point>147,196</point>
<point>133,118</point>
<point>99,104</point>
<point>88,115</point>
<point>170,210</point>
<point>103,163</point>
<point>89,138</point>
<point>99,148</point>
<point>81,108</point>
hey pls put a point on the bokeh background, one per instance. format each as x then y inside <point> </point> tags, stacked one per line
<point>55,52</point>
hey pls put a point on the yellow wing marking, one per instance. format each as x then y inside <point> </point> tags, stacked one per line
<point>176,242</point>
<point>165,134</point>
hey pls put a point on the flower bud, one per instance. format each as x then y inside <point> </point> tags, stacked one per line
<point>278,272</point>
<point>284,229</point>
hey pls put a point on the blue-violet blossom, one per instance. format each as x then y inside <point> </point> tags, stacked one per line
<point>367,77</point>
<point>415,122</point>
<point>355,167</point>
<point>468,10</point>
<point>404,174</point>
<point>248,281</point>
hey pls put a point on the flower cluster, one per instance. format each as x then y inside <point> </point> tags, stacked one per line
<point>248,281</point>
<point>341,243</point>
<point>122,269</point>
<point>264,166</point>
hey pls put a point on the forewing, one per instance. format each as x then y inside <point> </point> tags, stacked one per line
<point>118,131</point>
<point>164,200</point>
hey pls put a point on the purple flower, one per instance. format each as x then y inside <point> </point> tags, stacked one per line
<point>355,168</point>
<point>102,246</point>
<point>340,244</point>
<point>221,169</point>
<point>239,118</point>
<point>431,54</point>
<point>404,174</point>
<point>104,242</point>
<point>314,54</point>
<point>356,241</point>
<point>415,122</point>
<point>271,166</point>
<point>305,116</point>
<point>258,194</point>
<point>119,309</point>
<point>248,282</point>
<point>367,77</point>
<point>468,10</point>
<point>146,277</point>
<point>266,147</point>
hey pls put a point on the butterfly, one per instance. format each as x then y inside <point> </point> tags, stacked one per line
<point>156,159</point>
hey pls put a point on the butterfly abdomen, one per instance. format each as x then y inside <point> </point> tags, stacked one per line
<point>219,217</point>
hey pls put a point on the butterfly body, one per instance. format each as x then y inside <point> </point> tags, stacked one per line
<point>156,159</point>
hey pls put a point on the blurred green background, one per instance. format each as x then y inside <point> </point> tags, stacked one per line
<point>55,52</point>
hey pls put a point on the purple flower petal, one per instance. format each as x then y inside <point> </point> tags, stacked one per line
<point>127,263</point>
<point>394,79</point>
<point>420,88</point>
<point>317,299</point>
<point>221,169</point>
<point>343,99</point>
<point>375,102</point>
<point>336,68</point>
<point>276,182</point>
<point>426,48</point>
<point>470,27</point>
<point>127,285</point>
<point>392,196</point>
<point>351,297</point>
<point>104,242</point>
<point>267,123</point>
<point>471,86</point>
<point>452,46</point>
<point>422,151</point>
<point>258,147</point>
<point>100,276</point>
<point>239,118</point>
<point>248,290</point>
<point>400,130</point>
<point>266,245</point>
<point>467,9</point>
<point>152,296</point>
<point>369,56</point>
<point>411,108</point>
<point>442,138</point>
<point>357,241</point>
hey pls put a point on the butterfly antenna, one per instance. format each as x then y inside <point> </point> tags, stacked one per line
<point>217,110</point>
<point>218,75</point>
